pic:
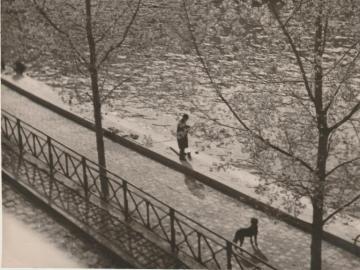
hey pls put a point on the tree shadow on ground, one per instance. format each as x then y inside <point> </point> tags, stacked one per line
<point>196,188</point>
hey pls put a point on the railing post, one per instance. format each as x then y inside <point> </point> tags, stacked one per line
<point>51,166</point>
<point>228,254</point>
<point>199,246</point>
<point>66,164</point>
<point>172,230</point>
<point>51,162</point>
<point>34,144</point>
<point>86,184</point>
<point>147,214</point>
<point>6,126</point>
<point>18,125</point>
<point>126,206</point>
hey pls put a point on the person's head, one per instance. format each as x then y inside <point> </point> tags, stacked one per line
<point>185,117</point>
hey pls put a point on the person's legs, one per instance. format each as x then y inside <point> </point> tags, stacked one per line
<point>182,153</point>
<point>182,149</point>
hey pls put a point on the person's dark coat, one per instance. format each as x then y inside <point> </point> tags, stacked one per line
<point>181,133</point>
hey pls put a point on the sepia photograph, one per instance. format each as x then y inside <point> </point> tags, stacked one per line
<point>180,134</point>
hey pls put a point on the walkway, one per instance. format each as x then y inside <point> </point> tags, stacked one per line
<point>284,246</point>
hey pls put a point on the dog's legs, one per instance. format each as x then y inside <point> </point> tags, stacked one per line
<point>241,240</point>
<point>255,238</point>
<point>235,240</point>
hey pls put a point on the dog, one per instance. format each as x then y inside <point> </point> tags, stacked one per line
<point>251,232</point>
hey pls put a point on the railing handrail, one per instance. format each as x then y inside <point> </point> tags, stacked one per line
<point>80,156</point>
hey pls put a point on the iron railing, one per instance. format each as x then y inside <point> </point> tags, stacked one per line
<point>181,232</point>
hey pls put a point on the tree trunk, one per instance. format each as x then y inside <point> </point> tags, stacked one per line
<point>316,237</point>
<point>323,131</point>
<point>318,198</point>
<point>96,102</point>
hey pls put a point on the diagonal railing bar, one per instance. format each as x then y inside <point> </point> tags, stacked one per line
<point>57,160</point>
<point>90,178</point>
<point>213,258</point>
<point>68,162</point>
<point>93,176</point>
<point>25,140</point>
<point>136,207</point>
<point>37,141</point>
<point>75,168</point>
<point>180,246</point>
<point>185,235</point>
<point>160,224</point>
<point>213,253</point>
<point>10,129</point>
<point>115,191</point>
<point>159,218</point>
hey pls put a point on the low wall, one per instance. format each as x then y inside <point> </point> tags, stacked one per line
<point>298,223</point>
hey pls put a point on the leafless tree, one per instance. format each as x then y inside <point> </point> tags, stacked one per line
<point>92,32</point>
<point>298,107</point>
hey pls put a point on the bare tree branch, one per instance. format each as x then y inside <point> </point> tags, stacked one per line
<point>354,110</point>
<point>355,129</point>
<point>89,96</point>
<point>107,30</point>
<point>293,12</point>
<point>294,49</point>
<point>341,165</point>
<point>216,87</point>
<point>301,100</point>
<point>114,88</point>
<point>127,29</point>
<point>341,58</point>
<point>340,209</point>
<point>326,30</point>
<point>262,80</point>
<point>346,76</point>
<point>216,121</point>
<point>44,14</point>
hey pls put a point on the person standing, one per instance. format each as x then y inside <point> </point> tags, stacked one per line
<point>181,134</point>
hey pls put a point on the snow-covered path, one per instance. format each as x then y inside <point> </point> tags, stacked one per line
<point>241,179</point>
<point>24,247</point>
<point>284,245</point>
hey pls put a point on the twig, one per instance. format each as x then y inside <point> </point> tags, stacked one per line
<point>127,29</point>
<point>114,88</point>
<point>341,208</point>
<point>58,29</point>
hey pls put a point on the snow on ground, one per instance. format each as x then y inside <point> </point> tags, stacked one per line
<point>24,247</point>
<point>158,135</point>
